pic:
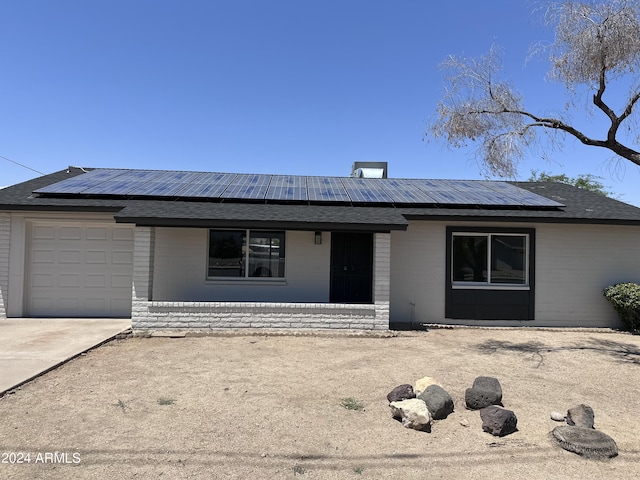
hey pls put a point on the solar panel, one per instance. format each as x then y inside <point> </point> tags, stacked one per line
<point>80,183</point>
<point>405,191</point>
<point>472,192</point>
<point>441,191</point>
<point>247,187</point>
<point>126,183</point>
<point>206,185</point>
<point>177,184</point>
<point>167,184</point>
<point>326,189</point>
<point>287,187</point>
<point>365,190</point>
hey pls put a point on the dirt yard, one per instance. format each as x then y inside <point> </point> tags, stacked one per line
<point>269,406</point>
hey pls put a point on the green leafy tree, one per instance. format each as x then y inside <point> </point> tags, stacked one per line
<point>596,50</point>
<point>584,181</point>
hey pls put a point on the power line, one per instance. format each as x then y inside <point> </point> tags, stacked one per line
<point>29,168</point>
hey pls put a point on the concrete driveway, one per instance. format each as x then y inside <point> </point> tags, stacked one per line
<point>32,346</point>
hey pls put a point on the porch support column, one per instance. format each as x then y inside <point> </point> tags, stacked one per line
<point>381,278</point>
<point>143,253</point>
<point>5,238</point>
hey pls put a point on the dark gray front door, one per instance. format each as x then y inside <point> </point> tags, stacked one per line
<point>351,267</point>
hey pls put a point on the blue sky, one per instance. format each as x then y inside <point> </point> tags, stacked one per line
<point>256,86</point>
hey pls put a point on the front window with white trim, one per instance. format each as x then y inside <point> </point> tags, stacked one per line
<point>489,259</point>
<point>246,254</point>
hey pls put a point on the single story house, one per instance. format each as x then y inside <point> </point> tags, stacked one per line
<point>199,250</point>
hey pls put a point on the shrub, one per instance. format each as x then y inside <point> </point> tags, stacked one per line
<point>625,298</point>
<point>352,404</point>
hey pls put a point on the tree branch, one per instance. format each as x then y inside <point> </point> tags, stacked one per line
<point>629,108</point>
<point>595,44</point>
<point>610,143</point>
<point>598,102</point>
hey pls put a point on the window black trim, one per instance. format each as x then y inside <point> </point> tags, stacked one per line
<point>246,262</point>
<point>491,301</point>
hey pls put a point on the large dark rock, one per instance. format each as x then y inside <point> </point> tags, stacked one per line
<point>484,392</point>
<point>581,416</point>
<point>438,400</point>
<point>498,421</point>
<point>401,392</point>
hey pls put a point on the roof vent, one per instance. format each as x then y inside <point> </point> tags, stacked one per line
<point>369,169</point>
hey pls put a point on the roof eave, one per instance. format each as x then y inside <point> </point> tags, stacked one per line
<point>37,207</point>
<point>532,219</point>
<point>260,224</point>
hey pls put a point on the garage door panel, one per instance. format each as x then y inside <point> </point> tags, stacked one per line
<point>70,233</point>
<point>122,257</point>
<point>79,270</point>
<point>97,233</point>
<point>96,257</point>
<point>121,281</point>
<point>44,233</point>
<point>43,280</point>
<point>68,280</point>
<point>70,256</point>
<point>66,305</point>
<point>42,304</point>
<point>95,304</point>
<point>119,304</point>
<point>122,234</point>
<point>43,256</point>
<point>95,281</point>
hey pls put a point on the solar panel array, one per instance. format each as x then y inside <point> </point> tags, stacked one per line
<point>194,185</point>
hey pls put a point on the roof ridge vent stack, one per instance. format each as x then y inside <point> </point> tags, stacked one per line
<point>369,170</point>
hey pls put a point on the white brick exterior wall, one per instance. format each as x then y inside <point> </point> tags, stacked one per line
<point>144,246</point>
<point>5,238</point>
<point>151,313</point>
<point>381,267</point>
<point>382,277</point>
<point>216,315</point>
<point>573,264</point>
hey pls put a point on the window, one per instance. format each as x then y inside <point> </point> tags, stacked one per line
<point>246,254</point>
<point>489,258</point>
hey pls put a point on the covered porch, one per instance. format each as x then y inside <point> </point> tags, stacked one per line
<point>175,288</point>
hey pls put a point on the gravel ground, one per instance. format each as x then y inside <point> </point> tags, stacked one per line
<point>269,406</point>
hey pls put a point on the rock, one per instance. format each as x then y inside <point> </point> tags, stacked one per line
<point>401,392</point>
<point>587,442</point>
<point>438,401</point>
<point>464,422</point>
<point>413,412</point>
<point>484,392</point>
<point>423,383</point>
<point>498,421</point>
<point>581,416</point>
<point>557,416</point>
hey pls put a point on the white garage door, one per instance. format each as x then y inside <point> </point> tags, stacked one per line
<point>79,270</point>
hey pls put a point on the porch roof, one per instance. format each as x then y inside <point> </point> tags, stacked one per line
<point>249,215</point>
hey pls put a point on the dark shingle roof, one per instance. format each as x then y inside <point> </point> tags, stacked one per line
<point>20,196</point>
<point>581,206</point>
<point>204,214</point>
<point>249,215</point>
